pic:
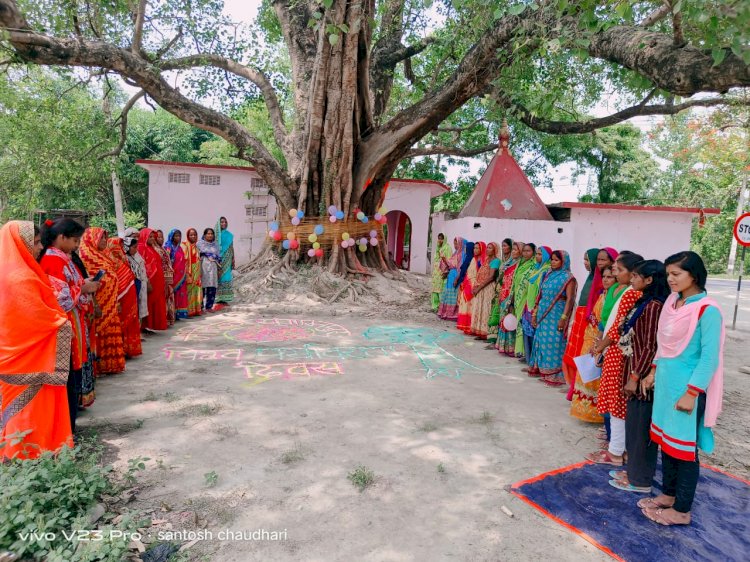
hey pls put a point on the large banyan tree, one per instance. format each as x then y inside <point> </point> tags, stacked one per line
<point>353,87</point>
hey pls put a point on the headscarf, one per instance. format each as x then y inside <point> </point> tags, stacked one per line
<point>191,254</point>
<point>125,277</point>
<point>35,341</point>
<point>94,258</point>
<point>676,329</point>
<point>224,238</point>
<point>597,284</point>
<point>466,256</point>
<point>209,249</point>
<point>457,257</point>
<point>535,279</point>
<point>523,264</point>
<point>29,312</point>
<point>610,300</point>
<point>592,254</point>
<point>168,245</point>
<point>149,254</point>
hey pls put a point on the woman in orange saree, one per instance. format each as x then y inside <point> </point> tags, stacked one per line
<point>109,345</point>
<point>157,296</point>
<point>35,346</point>
<point>193,272</point>
<point>127,298</point>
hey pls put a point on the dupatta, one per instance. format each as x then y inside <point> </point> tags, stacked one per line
<point>473,270</point>
<point>535,279</point>
<point>676,329</point>
<point>125,277</point>
<point>150,256</point>
<point>556,281</point>
<point>177,257</point>
<point>597,285</point>
<point>96,259</point>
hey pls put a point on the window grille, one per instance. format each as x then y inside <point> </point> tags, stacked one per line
<point>207,179</point>
<point>179,177</point>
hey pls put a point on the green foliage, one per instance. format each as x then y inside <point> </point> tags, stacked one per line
<point>708,157</point>
<point>362,477</point>
<point>52,494</point>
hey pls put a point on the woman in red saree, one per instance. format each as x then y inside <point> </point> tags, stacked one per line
<point>35,346</point>
<point>157,296</point>
<point>466,292</point>
<point>127,298</point>
<point>193,271</point>
<point>179,266</point>
<point>109,347</point>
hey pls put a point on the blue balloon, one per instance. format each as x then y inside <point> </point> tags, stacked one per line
<point>285,244</point>
<point>274,225</point>
<point>300,214</point>
<point>340,215</point>
<point>319,229</point>
<point>365,219</point>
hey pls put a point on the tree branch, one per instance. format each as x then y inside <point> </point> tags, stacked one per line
<point>657,15</point>
<point>450,151</point>
<point>390,58</point>
<point>251,74</point>
<point>682,70</point>
<point>39,48</point>
<point>123,122</point>
<point>580,127</point>
<point>140,17</point>
<point>165,49</point>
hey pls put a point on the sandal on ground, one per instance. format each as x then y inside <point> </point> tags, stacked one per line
<point>659,516</point>
<point>627,487</point>
<point>603,457</point>
<point>619,474</point>
<point>651,503</point>
<point>553,381</point>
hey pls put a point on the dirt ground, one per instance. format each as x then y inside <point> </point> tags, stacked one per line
<point>253,419</point>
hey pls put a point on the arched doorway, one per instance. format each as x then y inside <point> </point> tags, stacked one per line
<point>398,233</point>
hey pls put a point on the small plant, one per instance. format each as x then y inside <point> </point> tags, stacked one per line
<point>293,455</point>
<point>135,465</point>
<point>171,397</point>
<point>441,468</point>
<point>427,427</point>
<point>211,478</point>
<point>486,418</point>
<point>203,410</point>
<point>361,477</point>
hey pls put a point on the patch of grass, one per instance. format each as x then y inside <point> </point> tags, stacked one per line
<point>201,410</point>
<point>427,427</point>
<point>166,397</point>
<point>150,397</point>
<point>485,418</point>
<point>441,468</point>
<point>362,477</point>
<point>109,426</point>
<point>224,431</point>
<point>293,456</point>
<point>171,397</point>
<point>211,478</point>
<point>78,481</point>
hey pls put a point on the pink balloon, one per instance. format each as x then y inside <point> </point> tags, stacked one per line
<point>345,244</point>
<point>352,242</point>
<point>510,323</point>
<point>373,234</point>
<point>311,253</point>
<point>295,221</point>
<point>373,241</point>
<point>332,218</point>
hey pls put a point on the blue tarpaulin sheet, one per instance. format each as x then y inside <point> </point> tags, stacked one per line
<point>580,498</point>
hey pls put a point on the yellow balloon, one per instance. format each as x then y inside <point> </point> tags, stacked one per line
<point>312,237</point>
<point>383,211</point>
<point>345,236</point>
<point>292,213</point>
<point>316,245</point>
<point>291,236</point>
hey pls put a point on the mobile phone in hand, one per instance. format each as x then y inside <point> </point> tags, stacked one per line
<point>99,275</point>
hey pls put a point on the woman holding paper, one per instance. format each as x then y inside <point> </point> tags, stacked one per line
<point>611,400</point>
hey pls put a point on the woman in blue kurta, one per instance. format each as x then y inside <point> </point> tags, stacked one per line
<point>225,240</point>
<point>688,392</point>
<point>550,317</point>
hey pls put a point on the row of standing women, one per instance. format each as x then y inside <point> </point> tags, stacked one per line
<point>641,320</point>
<point>73,306</point>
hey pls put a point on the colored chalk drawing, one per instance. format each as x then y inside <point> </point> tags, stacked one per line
<point>425,343</point>
<point>263,330</point>
<point>259,373</point>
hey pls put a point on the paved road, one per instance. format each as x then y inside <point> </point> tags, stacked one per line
<point>725,293</point>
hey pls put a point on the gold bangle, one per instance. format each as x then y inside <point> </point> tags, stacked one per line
<point>564,317</point>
